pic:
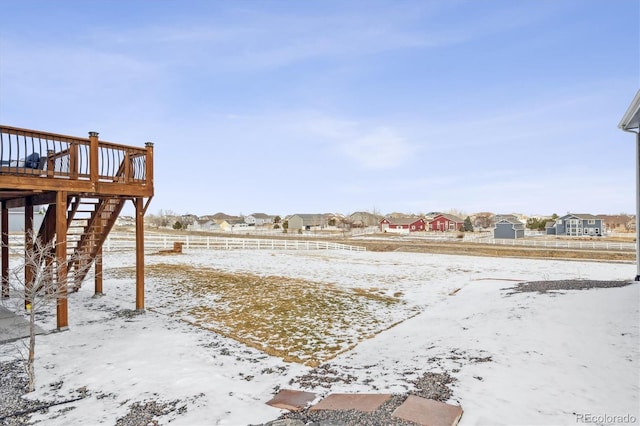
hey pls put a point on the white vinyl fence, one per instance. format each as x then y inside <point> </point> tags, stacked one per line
<point>593,245</point>
<point>121,241</point>
<point>487,238</point>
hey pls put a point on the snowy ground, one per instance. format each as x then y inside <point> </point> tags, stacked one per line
<point>525,358</point>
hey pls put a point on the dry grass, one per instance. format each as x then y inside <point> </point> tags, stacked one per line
<point>476,249</point>
<point>298,320</point>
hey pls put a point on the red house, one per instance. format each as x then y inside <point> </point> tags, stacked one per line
<point>446,222</point>
<point>404,224</point>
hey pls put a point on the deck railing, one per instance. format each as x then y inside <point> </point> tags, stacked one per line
<point>30,152</point>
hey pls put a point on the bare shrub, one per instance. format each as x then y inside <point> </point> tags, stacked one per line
<point>42,289</point>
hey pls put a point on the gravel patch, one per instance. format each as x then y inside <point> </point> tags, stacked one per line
<point>15,410</point>
<point>430,385</point>
<point>559,285</point>
<point>145,413</point>
<point>325,376</point>
<point>433,386</point>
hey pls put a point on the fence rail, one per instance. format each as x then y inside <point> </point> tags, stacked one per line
<point>485,238</point>
<point>593,245</point>
<point>120,241</point>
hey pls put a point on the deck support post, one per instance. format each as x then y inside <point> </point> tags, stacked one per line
<point>28,251</point>
<point>139,253</point>
<point>4,219</point>
<point>97,266</point>
<point>61,259</point>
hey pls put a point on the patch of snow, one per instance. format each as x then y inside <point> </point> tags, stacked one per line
<point>524,358</point>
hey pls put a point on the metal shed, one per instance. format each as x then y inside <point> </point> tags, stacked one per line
<point>508,228</point>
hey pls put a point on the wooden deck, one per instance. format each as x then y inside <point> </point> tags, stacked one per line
<point>84,182</point>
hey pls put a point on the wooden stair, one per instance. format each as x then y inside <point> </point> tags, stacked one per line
<point>88,228</point>
<point>85,183</point>
<point>89,221</point>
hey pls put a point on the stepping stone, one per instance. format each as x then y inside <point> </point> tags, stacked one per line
<point>427,412</point>
<point>292,400</point>
<point>346,401</point>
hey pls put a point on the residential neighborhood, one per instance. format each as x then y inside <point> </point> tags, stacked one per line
<point>497,225</point>
<point>577,225</point>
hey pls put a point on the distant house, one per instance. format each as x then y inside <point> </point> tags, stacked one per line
<point>232,225</point>
<point>497,218</point>
<point>550,227</point>
<point>206,225</point>
<point>402,224</point>
<point>577,225</point>
<point>335,219</point>
<point>363,219</point>
<point>445,222</point>
<point>482,220</point>
<point>508,228</point>
<point>307,222</point>
<point>619,223</point>
<point>259,219</point>
<point>188,219</point>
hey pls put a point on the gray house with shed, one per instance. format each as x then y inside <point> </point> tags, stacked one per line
<point>508,228</point>
<point>307,221</point>
<point>577,225</point>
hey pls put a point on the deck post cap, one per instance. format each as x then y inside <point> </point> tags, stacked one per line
<point>148,144</point>
<point>93,134</point>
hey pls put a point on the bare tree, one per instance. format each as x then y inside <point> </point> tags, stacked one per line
<point>483,220</point>
<point>35,284</point>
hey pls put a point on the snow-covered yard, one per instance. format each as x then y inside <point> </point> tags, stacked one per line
<point>518,358</point>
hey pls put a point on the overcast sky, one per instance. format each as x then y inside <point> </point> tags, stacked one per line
<point>287,107</point>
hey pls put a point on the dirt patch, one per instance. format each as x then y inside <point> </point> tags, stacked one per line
<point>294,319</point>
<point>477,249</point>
